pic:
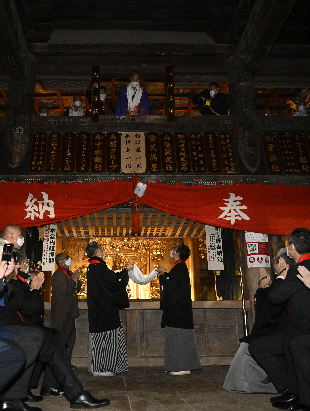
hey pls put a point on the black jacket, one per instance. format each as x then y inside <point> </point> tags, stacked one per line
<point>268,315</point>
<point>22,306</point>
<point>298,295</point>
<point>218,105</point>
<point>176,300</point>
<point>64,305</point>
<point>106,294</point>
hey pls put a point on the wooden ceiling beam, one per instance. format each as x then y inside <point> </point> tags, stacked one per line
<point>263,27</point>
<point>13,47</point>
<point>171,228</point>
<point>64,227</point>
<point>72,227</point>
<point>81,226</point>
<point>180,227</point>
<point>89,225</point>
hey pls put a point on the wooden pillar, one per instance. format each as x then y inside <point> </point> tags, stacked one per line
<point>170,103</point>
<point>193,265</point>
<point>242,107</point>
<point>20,112</point>
<point>18,63</point>
<point>95,94</point>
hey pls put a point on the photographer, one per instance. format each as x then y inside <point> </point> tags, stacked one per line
<point>19,348</point>
<point>211,102</point>
<point>23,305</point>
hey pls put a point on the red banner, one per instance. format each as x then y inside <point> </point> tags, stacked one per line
<point>259,208</point>
<point>30,204</point>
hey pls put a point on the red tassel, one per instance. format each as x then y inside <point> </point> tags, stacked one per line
<point>135,223</point>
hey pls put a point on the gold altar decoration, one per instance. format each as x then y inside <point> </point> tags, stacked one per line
<point>146,253</point>
<point>202,249</point>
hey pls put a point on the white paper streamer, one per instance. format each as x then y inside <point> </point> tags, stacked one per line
<point>137,277</point>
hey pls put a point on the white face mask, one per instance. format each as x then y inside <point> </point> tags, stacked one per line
<point>301,108</point>
<point>287,252</point>
<point>77,103</point>
<point>134,83</point>
<point>102,97</point>
<point>172,253</point>
<point>68,262</point>
<point>20,241</point>
<point>43,114</point>
<point>103,255</point>
<point>212,93</point>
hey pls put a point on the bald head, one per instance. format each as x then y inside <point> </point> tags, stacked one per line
<point>13,235</point>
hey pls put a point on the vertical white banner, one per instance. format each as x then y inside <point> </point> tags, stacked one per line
<point>214,248</point>
<point>49,247</point>
<point>133,153</point>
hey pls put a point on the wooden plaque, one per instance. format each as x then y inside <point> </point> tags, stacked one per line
<point>68,152</point>
<point>113,152</point>
<point>168,156</point>
<point>197,150</point>
<point>153,153</point>
<point>37,162</point>
<point>182,153</point>
<point>212,153</point>
<point>272,153</point>
<point>83,152</point>
<point>227,153</point>
<point>53,152</point>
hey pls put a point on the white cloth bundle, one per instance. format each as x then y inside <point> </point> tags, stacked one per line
<point>137,277</point>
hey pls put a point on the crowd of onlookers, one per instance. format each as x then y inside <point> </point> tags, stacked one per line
<point>133,101</point>
<point>275,356</point>
<point>26,344</point>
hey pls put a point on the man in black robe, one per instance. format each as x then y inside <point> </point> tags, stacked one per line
<point>106,295</point>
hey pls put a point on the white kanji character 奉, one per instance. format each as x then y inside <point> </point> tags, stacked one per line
<point>232,211</point>
<point>37,210</point>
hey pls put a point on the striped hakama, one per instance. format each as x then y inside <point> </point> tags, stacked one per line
<point>181,353</point>
<point>108,352</point>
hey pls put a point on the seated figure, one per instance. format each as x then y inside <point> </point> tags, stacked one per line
<point>133,100</point>
<point>301,109</point>
<point>245,375</point>
<point>211,102</point>
<point>77,109</point>
<point>43,112</point>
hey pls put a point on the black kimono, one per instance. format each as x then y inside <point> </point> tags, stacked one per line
<point>106,295</point>
<point>181,353</point>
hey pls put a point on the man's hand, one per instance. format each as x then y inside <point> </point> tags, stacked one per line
<point>160,270</point>
<point>130,266</point>
<point>76,275</point>
<point>282,267</point>
<point>37,281</point>
<point>264,278</point>
<point>6,269</point>
<point>304,275</point>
